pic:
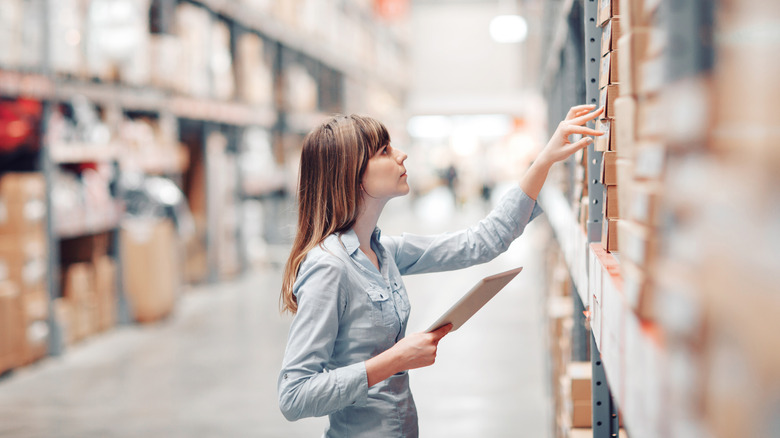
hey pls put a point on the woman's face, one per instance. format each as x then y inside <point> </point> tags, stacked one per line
<point>385,175</point>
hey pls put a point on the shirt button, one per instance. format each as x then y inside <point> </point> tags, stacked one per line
<point>285,376</point>
<point>381,296</point>
<point>353,403</point>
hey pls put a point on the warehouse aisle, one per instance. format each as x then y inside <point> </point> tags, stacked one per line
<point>210,370</point>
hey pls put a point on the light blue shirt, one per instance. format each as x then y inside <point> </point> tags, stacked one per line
<point>349,312</point>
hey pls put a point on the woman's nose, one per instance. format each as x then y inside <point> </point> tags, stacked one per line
<point>401,156</point>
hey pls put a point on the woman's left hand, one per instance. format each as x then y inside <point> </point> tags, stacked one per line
<point>559,147</point>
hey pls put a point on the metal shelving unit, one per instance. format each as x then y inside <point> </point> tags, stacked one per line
<point>233,115</point>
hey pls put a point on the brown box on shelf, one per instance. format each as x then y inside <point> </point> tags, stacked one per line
<point>632,47</point>
<point>607,96</point>
<point>63,312</point>
<point>608,72</point>
<point>637,243</point>
<point>151,267</point>
<point>645,200</point>
<point>79,290</point>
<point>608,9</point>
<point>582,414</point>
<point>36,314</point>
<point>625,130</point>
<point>608,168</point>
<point>649,160</point>
<point>637,290</point>
<point>604,143</point>
<point>625,177</point>
<point>20,187</point>
<point>23,260</point>
<point>579,374</point>
<point>105,292</point>
<point>652,76</point>
<point>610,33</point>
<point>609,234</point>
<point>611,201</point>
<point>631,14</point>
<point>11,326</point>
<point>22,203</point>
<point>651,118</point>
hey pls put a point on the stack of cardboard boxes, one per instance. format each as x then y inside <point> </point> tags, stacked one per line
<point>717,299</point>
<point>88,304</point>
<point>24,295</point>
<point>636,162</point>
<point>609,89</point>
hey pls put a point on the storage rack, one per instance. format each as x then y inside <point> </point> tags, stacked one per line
<point>619,338</point>
<point>332,69</point>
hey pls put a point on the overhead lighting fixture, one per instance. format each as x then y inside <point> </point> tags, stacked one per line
<point>508,29</point>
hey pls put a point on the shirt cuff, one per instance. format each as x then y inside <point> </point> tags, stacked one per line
<point>520,207</point>
<point>353,384</point>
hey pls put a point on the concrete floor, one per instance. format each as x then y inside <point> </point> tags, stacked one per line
<point>210,370</point>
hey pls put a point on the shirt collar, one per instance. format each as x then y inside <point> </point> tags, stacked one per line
<point>350,240</point>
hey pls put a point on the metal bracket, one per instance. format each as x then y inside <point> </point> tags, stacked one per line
<point>592,63</point>
<point>606,423</point>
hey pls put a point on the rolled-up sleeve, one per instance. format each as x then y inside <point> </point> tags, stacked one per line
<point>481,243</point>
<point>306,387</point>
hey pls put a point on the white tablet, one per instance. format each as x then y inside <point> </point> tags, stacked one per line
<point>474,299</point>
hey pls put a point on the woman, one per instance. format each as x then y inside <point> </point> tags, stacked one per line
<point>347,354</point>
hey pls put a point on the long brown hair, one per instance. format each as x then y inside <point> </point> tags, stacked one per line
<point>333,161</point>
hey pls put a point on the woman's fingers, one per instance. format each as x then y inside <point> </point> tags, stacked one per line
<point>587,117</point>
<point>441,332</point>
<point>584,130</point>
<point>577,145</point>
<point>578,110</point>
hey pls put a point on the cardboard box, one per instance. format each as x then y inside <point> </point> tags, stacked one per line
<point>632,47</point>
<point>651,119</point>
<point>625,130</point>
<point>11,327</point>
<point>23,260</point>
<point>608,73</point>
<point>631,14</point>
<point>151,274</point>
<point>611,202</point>
<point>105,293</point>
<point>610,34</point>
<point>607,96</point>
<point>79,290</point>
<point>636,243</point>
<point>582,414</point>
<point>22,186</point>
<point>22,203</point>
<point>63,312</point>
<point>645,204</point>
<point>604,143</point>
<point>608,168</point>
<point>652,77</point>
<point>609,234</point>
<point>649,162</point>
<point>579,374</point>
<point>638,290</point>
<point>607,10</point>
<point>625,176</point>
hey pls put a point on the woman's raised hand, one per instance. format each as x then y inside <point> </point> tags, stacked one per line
<point>559,147</point>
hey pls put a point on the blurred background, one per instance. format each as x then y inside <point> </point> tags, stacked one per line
<point>148,168</point>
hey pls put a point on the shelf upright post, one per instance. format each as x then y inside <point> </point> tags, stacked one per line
<point>592,63</point>
<point>212,256</point>
<point>605,418</point>
<point>56,337</point>
<point>606,423</point>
